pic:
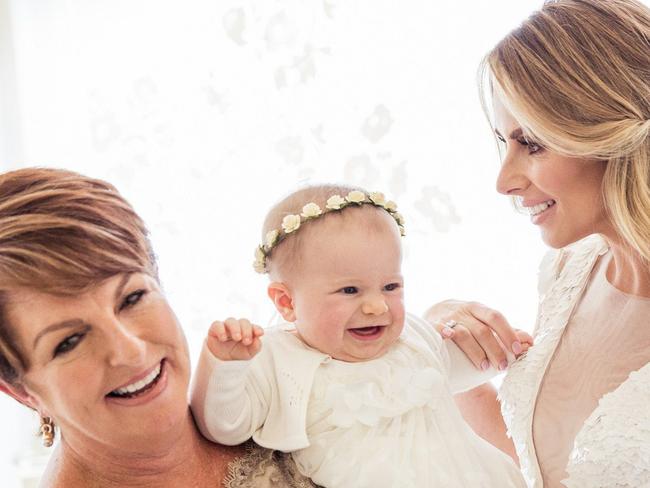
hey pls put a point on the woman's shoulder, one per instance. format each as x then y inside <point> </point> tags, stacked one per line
<point>264,468</point>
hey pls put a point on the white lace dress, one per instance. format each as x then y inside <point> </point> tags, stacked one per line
<point>392,422</point>
<point>612,446</point>
<point>389,422</point>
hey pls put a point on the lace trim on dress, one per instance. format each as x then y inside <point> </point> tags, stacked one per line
<point>264,468</point>
<point>519,390</point>
<point>613,447</point>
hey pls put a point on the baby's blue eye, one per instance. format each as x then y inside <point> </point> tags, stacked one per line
<point>349,290</point>
<point>391,286</point>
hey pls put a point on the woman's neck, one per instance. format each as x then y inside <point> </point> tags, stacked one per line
<point>627,270</point>
<point>183,455</point>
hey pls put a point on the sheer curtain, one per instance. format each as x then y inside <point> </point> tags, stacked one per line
<point>204,113</point>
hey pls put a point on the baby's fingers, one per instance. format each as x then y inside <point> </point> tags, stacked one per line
<point>255,346</point>
<point>234,328</point>
<point>218,331</point>
<point>246,332</point>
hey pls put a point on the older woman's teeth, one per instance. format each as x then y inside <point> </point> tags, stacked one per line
<point>538,209</point>
<point>138,385</point>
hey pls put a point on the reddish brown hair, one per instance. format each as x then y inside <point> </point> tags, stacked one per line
<point>63,233</point>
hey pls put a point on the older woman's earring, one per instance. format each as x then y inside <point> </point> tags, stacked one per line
<point>47,431</point>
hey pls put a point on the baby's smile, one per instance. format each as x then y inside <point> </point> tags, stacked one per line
<point>367,333</point>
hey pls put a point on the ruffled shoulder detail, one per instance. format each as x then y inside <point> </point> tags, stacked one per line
<point>386,387</point>
<point>567,271</point>
<point>368,402</point>
<point>549,269</point>
<point>265,468</point>
<point>613,447</point>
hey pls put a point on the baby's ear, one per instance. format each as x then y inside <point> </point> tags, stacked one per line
<point>281,297</point>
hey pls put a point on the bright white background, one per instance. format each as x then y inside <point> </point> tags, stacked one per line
<point>204,113</point>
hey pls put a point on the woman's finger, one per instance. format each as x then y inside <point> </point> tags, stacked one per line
<point>524,337</point>
<point>488,341</point>
<point>445,331</point>
<point>458,315</point>
<point>466,342</point>
<point>498,323</point>
<point>485,339</point>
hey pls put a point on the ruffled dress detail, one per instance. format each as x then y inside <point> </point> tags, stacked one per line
<point>392,422</point>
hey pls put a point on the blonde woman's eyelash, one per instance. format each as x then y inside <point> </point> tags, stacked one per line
<point>524,141</point>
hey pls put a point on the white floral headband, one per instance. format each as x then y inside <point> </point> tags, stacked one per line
<point>311,211</point>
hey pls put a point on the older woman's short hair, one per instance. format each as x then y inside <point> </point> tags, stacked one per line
<point>62,233</point>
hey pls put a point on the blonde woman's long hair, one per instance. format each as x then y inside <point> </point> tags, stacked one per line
<point>576,76</point>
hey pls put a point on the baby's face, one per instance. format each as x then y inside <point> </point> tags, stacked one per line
<point>348,288</point>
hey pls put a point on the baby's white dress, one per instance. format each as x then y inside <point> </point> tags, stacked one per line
<point>388,422</point>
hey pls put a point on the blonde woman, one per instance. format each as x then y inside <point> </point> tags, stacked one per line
<point>570,104</point>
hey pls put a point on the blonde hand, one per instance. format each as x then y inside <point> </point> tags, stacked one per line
<point>479,331</point>
<point>234,339</point>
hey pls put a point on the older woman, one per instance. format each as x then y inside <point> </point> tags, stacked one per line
<point>571,105</point>
<point>88,340</point>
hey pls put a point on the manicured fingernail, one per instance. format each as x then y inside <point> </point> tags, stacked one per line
<point>516,347</point>
<point>485,364</point>
<point>503,364</point>
<point>447,332</point>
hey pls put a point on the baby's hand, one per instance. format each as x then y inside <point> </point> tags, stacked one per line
<point>234,339</point>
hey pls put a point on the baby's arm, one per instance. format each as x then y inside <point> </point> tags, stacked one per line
<point>230,398</point>
<point>462,373</point>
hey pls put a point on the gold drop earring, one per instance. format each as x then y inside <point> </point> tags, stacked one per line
<point>47,431</point>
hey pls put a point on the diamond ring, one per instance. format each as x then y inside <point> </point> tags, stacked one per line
<point>451,323</point>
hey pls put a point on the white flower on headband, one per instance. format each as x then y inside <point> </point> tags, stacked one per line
<point>356,196</point>
<point>378,198</point>
<point>260,260</point>
<point>271,238</point>
<point>335,202</point>
<point>311,210</point>
<point>391,206</point>
<point>290,223</point>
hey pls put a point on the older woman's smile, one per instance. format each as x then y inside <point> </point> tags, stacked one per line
<point>90,342</point>
<point>139,385</point>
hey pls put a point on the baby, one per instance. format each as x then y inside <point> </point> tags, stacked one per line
<point>359,391</point>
